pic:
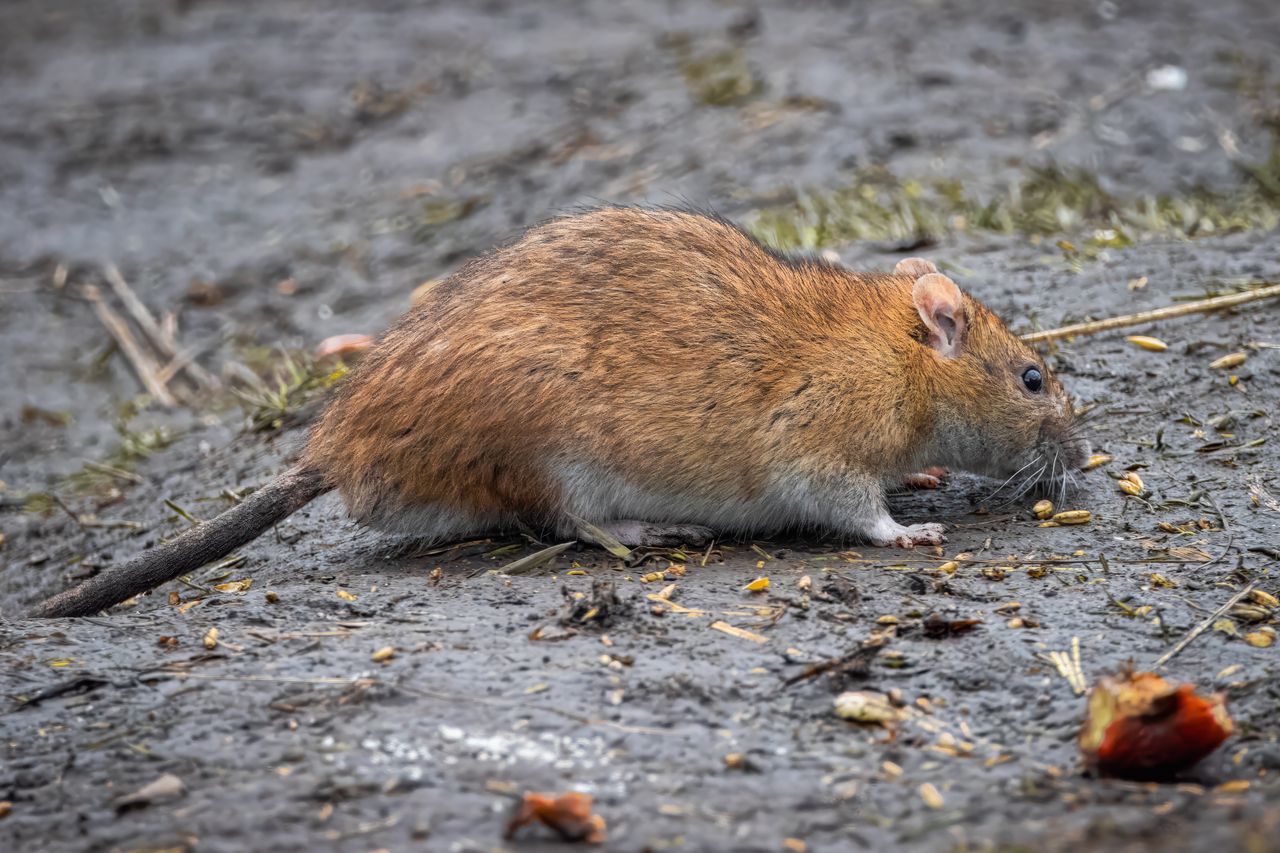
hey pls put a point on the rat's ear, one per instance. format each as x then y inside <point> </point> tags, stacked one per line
<point>941,307</point>
<point>914,267</point>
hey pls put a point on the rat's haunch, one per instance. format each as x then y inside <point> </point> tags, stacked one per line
<point>663,376</point>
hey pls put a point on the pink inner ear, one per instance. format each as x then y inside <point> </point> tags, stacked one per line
<point>941,307</point>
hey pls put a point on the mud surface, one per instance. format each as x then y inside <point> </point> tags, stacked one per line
<point>276,173</point>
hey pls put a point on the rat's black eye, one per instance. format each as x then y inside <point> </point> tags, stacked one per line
<point>1032,379</point>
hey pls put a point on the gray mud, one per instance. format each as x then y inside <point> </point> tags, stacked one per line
<point>214,150</point>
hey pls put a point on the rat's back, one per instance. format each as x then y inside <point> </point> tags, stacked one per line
<point>623,363</point>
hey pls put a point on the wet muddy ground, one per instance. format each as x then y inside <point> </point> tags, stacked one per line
<point>277,173</point>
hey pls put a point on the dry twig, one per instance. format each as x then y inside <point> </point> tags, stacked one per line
<point>139,359</point>
<point>1199,306</point>
<point>1203,626</point>
<point>162,339</point>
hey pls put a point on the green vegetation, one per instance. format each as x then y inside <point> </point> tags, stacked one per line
<point>877,205</point>
<point>96,478</point>
<point>721,78</point>
<point>293,381</point>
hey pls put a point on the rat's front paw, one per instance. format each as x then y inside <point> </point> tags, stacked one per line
<point>900,536</point>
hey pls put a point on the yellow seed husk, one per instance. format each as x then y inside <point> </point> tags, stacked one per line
<point>211,638</point>
<point>757,585</point>
<point>1234,359</point>
<point>930,795</point>
<point>1133,477</point>
<point>1147,343</point>
<point>383,654</point>
<point>949,567</point>
<point>1074,516</point>
<point>1250,612</point>
<point>1042,509</point>
<point>1265,599</point>
<point>1129,487</point>
<point>1097,460</point>
<point>1261,638</point>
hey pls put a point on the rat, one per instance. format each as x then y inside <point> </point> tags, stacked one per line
<point>664,377</point>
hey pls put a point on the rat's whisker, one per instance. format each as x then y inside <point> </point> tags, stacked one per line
<point>1009,480</point>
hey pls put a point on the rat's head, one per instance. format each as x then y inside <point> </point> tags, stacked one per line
<point>997,408</point>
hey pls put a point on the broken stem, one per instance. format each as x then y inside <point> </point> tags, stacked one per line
<point>1200,306</point>
<point>139,359</point>
<point>1203,626</point>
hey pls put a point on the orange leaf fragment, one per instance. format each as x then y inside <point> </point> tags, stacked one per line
<point>343,345</point>
<point>569,815</point>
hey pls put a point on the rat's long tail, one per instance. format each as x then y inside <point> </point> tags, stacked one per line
<point>193,548</point>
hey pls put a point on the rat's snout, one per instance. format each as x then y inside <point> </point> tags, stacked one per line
<point>1061,436</point>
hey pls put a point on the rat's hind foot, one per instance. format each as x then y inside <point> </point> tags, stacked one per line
<point>888,533</point>
<point>929,478</point>
<point>645,534</point>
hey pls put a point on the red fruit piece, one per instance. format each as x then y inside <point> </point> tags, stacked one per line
<point>1139,726</point>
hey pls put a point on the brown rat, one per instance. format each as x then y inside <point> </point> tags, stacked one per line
<point>661,375</point>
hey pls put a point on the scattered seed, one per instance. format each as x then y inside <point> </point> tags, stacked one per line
<point>1129,487</point>
<point>757,585</point>
<point>1147,343</point>
<point>1264,599</point>
<point>1261,638</point>
<point>211,638</point>
<point>344,595</point>
<point>1133,477</point>
<point>930,795</point>
<point>1042,509</point>
<point>383,654</point>
<point>272,598</point>
<point>1234,359</point>
<point>949,567</point>
<point>1097,460</point>
<point>1074,516</point>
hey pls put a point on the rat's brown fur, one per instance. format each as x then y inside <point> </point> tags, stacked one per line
<point>667,349</point>
<point>660,366</point>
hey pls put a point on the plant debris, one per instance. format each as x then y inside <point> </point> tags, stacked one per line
<point>598,609</point>
<point>167,787</point>
<point>568,815</point>
<point>866,706</point>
